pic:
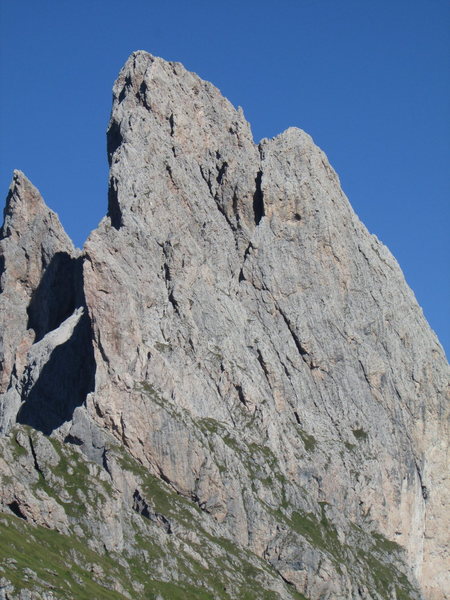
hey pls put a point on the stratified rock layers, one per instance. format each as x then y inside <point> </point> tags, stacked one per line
<point>241,334</point>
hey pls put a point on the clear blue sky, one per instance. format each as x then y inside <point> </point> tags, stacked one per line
<point>368,79</point>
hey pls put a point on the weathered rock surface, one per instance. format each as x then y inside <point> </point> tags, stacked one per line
<point>37,286</point>
<point>232,334</point>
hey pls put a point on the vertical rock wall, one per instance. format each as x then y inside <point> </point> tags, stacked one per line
<point>237,329</point>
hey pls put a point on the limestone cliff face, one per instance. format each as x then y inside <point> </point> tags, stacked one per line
<point>39,290</point>
<point>233,328</point>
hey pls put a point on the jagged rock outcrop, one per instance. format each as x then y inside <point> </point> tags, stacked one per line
<point>45,346</point>
<point>234,329</point>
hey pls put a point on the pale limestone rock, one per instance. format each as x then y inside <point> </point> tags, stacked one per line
<point>237,282</point>
<point>34,255</point>
<point>236,329</point>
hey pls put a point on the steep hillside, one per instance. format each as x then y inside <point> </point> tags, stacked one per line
<point>230,392</point>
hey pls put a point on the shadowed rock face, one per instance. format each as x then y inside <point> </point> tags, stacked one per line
<point>46,354</point>
<point>233,325</point>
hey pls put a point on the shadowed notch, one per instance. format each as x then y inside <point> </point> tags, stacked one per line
<point>55,298</point>
<point>258,199</point>
<point>69,373</point>
<point>2,269</point>
<point>114,210</point>
<point>114,139</point>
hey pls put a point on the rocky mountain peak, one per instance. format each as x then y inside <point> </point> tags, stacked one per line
<point>25,211</point>
<point>40,283</point>
<point>22,204</point>
<point>157,108</point>
<point>32,227</point>
<point>236,356</point>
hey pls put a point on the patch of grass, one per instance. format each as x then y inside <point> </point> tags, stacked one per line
<point>6,479</point>
<point>376,555</point>
<point>127,462</point>
<point>231,442</point>
<point>385,545</point>
<point>17,449</point>
<point>146,543</point>
<point>159,494</point>
<point>155,395</point>
<point>309,441</point>
<point>360,434</point>
<point>368,557</point>
<point>380,573</point>
<point>151,391</point>
<point>307,525</point>
<point>402,593</point>
<point>385,574</point>
<point>244,560</point>
<point>72,476</point>
<point>247,593</point>
<point>263,451</point>
<point>209,425</point>
<point>164,499</point>
<point>60,561</point>
<point>178,591</point>
<point>64,564</point>
<point>72,468</point>
<point>319,533</point>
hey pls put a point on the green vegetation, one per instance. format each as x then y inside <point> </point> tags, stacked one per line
<point>321,534</point>
<point>64,563</point>
<point>350,447</point>
<point>208,568</point>
<point>374,554</point>
<point>210,425</point>
<point>368,557</point>
<point>309,441</point>
<point>166,501</point>
<point>71,475</point>
<point>17,449</point>
<point>385,545</point>
<point>360,434</point>
<point>230,562</point>
<point>152,392</point>
<point>385,576</point>
<point>163,499</point>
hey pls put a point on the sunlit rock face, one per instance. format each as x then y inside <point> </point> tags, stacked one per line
<point>232,332</point>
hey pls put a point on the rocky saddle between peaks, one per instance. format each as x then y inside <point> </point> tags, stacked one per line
<point>230,392</point>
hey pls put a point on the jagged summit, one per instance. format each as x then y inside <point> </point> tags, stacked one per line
<point>24,206</point>
<point>237,358</point>
<point>170,104</point>
<point>41,288</point>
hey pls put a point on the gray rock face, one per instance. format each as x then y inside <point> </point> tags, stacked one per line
<point>37,286</point>
<point>46,353</point>
<point>237,331</point>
